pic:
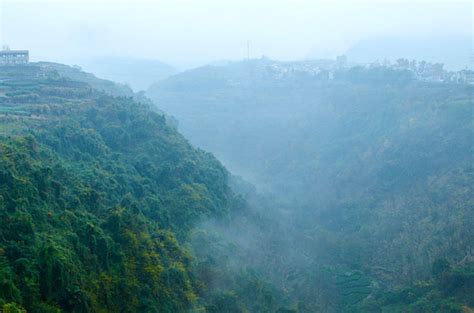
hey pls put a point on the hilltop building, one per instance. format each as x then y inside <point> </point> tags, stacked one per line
<point>13,57</point>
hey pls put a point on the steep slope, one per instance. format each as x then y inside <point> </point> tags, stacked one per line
<point>97,194</point>
<point>372,171</point>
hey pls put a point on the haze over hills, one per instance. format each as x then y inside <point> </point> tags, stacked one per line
<point>239,98</point>
<point>139,74</point>
<point>370,168</point>
<point>455,51</point>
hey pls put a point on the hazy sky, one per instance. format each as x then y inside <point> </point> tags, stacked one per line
<point>186,33</point>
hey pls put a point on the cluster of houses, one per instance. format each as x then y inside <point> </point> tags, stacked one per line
<point>422,70</point>
<point>434,72</point>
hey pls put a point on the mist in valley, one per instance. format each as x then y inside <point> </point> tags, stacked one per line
<point>246,156</point>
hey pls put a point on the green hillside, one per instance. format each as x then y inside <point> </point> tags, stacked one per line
<point>97,196</point>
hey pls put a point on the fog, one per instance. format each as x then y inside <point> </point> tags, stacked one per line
<point>190,33</point>
<point>201,156</point>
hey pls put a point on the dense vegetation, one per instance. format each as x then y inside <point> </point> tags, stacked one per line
<point>366,172</point>
<point>364,199</point>
<point>98,195</point>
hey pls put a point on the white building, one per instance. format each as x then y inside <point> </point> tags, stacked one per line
<point>13,57</point>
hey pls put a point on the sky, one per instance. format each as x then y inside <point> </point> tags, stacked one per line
<point>188,33</point>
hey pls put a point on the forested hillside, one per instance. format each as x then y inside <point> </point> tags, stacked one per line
<point>367,172</point>
<point>98,197</point>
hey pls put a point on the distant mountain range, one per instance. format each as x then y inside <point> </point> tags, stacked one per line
<point>139,74</point>
<point>454,52</point>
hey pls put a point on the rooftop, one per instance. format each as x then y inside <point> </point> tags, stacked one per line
<point>6,52</point>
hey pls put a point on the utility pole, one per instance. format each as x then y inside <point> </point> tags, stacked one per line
<point>248,50</point>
